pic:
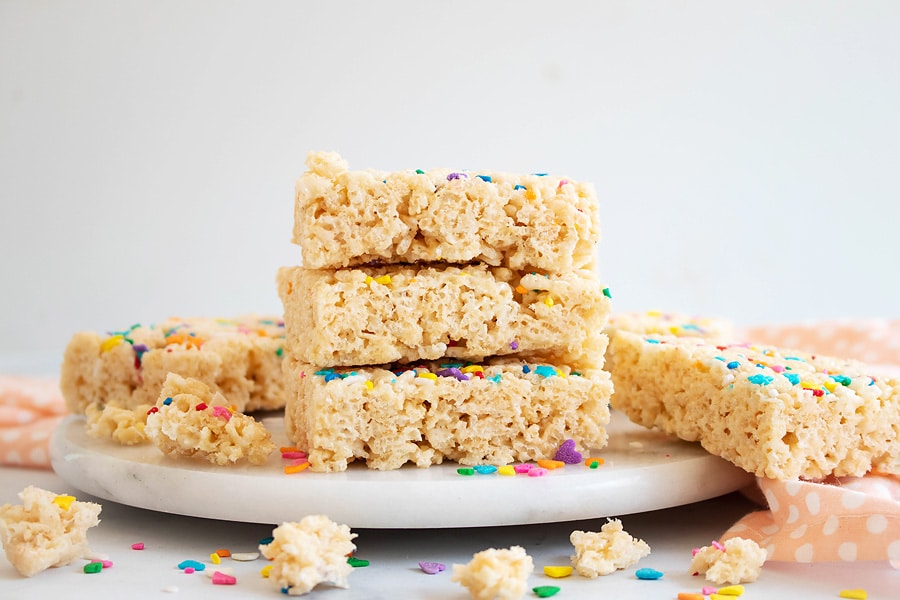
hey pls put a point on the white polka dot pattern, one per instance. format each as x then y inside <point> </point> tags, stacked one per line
<point>29,411</point>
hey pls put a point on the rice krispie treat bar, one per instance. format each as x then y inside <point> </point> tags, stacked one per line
<point>240,357</point>
<point>671,323</point>
<point>344,218</point>
<point>776,413</point>
<point>193,421</point>
<point>378,315</point>
<point>46,530</point>
<point>502,411</point>
<point>310,552</point>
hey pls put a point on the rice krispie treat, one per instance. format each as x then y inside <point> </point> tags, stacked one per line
<point>494,574</point>
<point>239,357</point>
<point>121,425</point>
<point>377,315</point>
<point>344,218</point>
<point>777,413</point>
<point>604,552</point>
<point>736,561</point>
<point>191,420</point>
<point>311,552</point>
<point>46,530</point>
<point>501,411</point>
<point>671,323</point>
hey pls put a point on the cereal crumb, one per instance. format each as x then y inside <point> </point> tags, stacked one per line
<point>190,420</point>
<point>603,552</point>
<point>120,425</point>
<point>308,553</point>
<point>495,574</point>
<point>741,561</point>
<point>46,530</point>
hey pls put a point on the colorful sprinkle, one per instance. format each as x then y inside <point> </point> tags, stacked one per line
<point>266,541</point>
<point>718,546</point>
<point>485,469</point>
<point>64,502</point>
<point>296,467</point>
<point>567,453</point>
<point>760,379</point>
<point>647,573</point>
<point>545,371</point>
<point>453,176</point>
<point>357,562</point>
<point>220,578</point>
<point>856,594</point>
<point>593,463</point>
<point>523,468</point>
<point>93,567</point>
<point>731,590</point>
<point>690,596</point>
<point>167,401</point>
<point>244,556</point>
<point>266,571</point>
<point>432,568</point>
<point>514,345</point>
<point>551,464</point>
<point>537,472</point>
<point>708,589</point>
<point>506,470</point>
<point>519,187</point>
<point>545,591</point>
<point>465,471</point>
<point>557,572</point>
<point>607,293</point>
<point>486,178</point>
<point>454,373</point>
<point>201,406</point>
<point>191,564</point>
<point>733,364</point>
<point>137,546</point>
<point>153,409</point>
<point>222,412</point>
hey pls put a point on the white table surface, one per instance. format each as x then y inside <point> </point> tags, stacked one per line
<point>394,554</point>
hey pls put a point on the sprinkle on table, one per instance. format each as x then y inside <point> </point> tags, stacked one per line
<point>137,546</point>
<point>545,591</point>
<point>647,573</point>
<point>357,562</point>
<point>244,556</point>
<point>557,571</point>
<point>219,578</point>
<point>731,590</point>
<point>432,568</point>
<point>856,594</point>
<point>93,567</point>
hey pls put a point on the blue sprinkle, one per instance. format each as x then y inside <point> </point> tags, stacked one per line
<point>486,178</point>
<point>540,174</point>
<point>495,378</point>
<point>485,469</point>
<point>652,341</point>
<point>519,187</point>
<point>842,379</point>
<point>324,372</point>
<point>526,369</point>
<point>451,365</point>
<point>331,376</point>
<point>646,573</point>
<point>792,377</point>
<point>733,364</point>
<point>285,590</point>
<point>167,401</point>
<point>266,541</point>
<point>545,371</point>
<point>690,327</point>
<point>760,379</point>
<point>197,566</point>
<point>794,358</point>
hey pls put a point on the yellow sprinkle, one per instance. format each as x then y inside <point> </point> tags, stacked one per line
<point>857,594</point>
<point>830,385</point>
<point>383,280</point>
<point>557,571</point>
<point>266,570</point>
<point>291,469</point>
<point>64,502</point>
<point>653,313</point>
<point>369,280</point>
<point>370,385</point>
<point>215,558</point>
<point>520,289</point>
<point>111,343</point>
<point>506,470</point>
<point>731,590</point>
<point>430,376</point>
<point>549,301</point>
<point>530,195</point>
<point>551,464</point>
<point>472,369</point>
<point>808,385</point>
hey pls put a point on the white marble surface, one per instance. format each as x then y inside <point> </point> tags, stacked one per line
<point>394,554</point>
<point>639,464</point>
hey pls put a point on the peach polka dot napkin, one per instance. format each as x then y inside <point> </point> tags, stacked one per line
<point>30,409</point>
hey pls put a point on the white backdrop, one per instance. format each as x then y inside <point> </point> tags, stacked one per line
<point>745,154</point>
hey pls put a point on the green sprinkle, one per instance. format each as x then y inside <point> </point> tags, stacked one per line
<point>357,562</point>
<point>93,567</point>
<point>420,172</point>
<point>545,591</point>
<point>606,293</point>
<point>466,471</point>
<point>280,351</point>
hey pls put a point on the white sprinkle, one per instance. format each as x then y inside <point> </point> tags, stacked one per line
<point>244,556</point>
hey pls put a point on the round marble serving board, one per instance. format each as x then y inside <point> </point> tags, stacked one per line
<point>643,470</point>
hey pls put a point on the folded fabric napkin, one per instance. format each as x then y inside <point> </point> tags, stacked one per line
<point>846,519</point>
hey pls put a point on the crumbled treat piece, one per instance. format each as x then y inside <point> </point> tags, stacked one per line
<point>311,552</point>
<point>377,315</point>
<point>239,357</point>
<point>671,323</point>
<point>603,552</point>
<point>495,574</point>
<point>502,411</point>
<point>777,413</point>
<point>346,218</point>
<point>46,530</point>
<point>192,420</point>
<point>740,561</point>
<point>121,425</point>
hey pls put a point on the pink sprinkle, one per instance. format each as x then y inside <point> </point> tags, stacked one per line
<point>297,454</point>
<point>189,570</point>
<point>432,568</point>
<point>707,590</point>
<point>523,468</point>
<point>221,411</point>
<point>537,472</point>
<point>138,546</point>
<point>562,182</point>
<point>106,563</point>
<point>718,546</point>
<point>220,578</point>
<point>695,551</point>
<point>777,368</point>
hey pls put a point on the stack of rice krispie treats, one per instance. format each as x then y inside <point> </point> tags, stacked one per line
<point>442,315</point>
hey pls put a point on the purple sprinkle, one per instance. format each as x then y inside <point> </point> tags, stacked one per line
<point>140,348</point>
<point>453,372</point>
<point>432,568</point>
<point>453,176</point>
<point>567,453</point>
<point>514,345</point>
